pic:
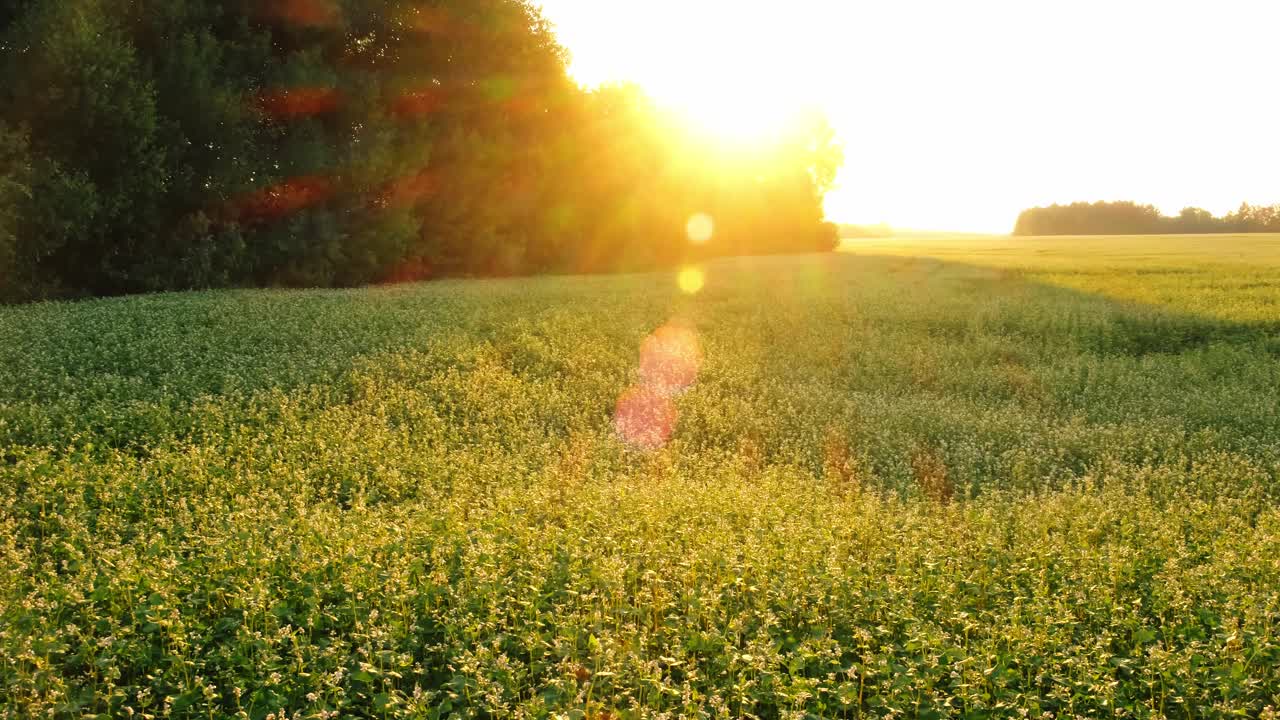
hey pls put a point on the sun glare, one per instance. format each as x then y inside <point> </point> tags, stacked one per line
<point>728,110</point>
<point>957,116</point>
<point>739,76</point>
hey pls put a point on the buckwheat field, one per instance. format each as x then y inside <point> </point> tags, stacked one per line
<point>975,478</point>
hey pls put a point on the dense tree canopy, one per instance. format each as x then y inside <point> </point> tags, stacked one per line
<point>1127,218</point>
<point>166,144</point>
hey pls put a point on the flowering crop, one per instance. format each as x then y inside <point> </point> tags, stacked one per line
<point>997,484</point>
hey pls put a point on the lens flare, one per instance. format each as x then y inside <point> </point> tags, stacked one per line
<point>299,102</point>
<point>646,414</point>
<point>305,13</point>
<point>691,280</point>
<point>284,198</point>
<point>700,228</point>
<point>670,359</point>
<point>644,418</point>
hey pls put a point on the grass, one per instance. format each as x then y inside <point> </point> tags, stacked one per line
<point>970,478</point>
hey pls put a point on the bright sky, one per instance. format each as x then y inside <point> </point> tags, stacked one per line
<point>957,115</point>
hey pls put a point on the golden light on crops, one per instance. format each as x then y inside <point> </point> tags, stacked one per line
<point>700,228</point>
<point>691,280</point>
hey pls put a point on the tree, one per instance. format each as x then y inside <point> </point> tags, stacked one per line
<point>1196,220</point>
<point>15,193</point>
<point>175,144</point>
<point>83,89</point>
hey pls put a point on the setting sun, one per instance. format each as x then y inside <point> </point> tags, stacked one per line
<point>959,115</point>
<point>728,71</point>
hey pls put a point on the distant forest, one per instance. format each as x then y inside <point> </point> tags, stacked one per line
<point>1128,218</point>
<point>168,144</point>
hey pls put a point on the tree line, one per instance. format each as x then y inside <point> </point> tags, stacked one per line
<point>169,144</point>
<point>1128,218</point>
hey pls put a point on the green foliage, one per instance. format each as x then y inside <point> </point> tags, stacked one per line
<point>327,143</point>
<point>42,210</point>
<point>79,86</point>
<point>1029,480</point>
<point>15,193</point>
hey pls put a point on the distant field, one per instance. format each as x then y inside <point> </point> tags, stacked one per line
<point>982,477</point>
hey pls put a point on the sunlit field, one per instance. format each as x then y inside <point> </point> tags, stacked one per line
<point>926,478</point>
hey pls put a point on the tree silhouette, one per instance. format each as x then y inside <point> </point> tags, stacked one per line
<point>1128,218</point>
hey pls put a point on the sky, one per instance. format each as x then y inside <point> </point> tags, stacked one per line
<point>956,115</point>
